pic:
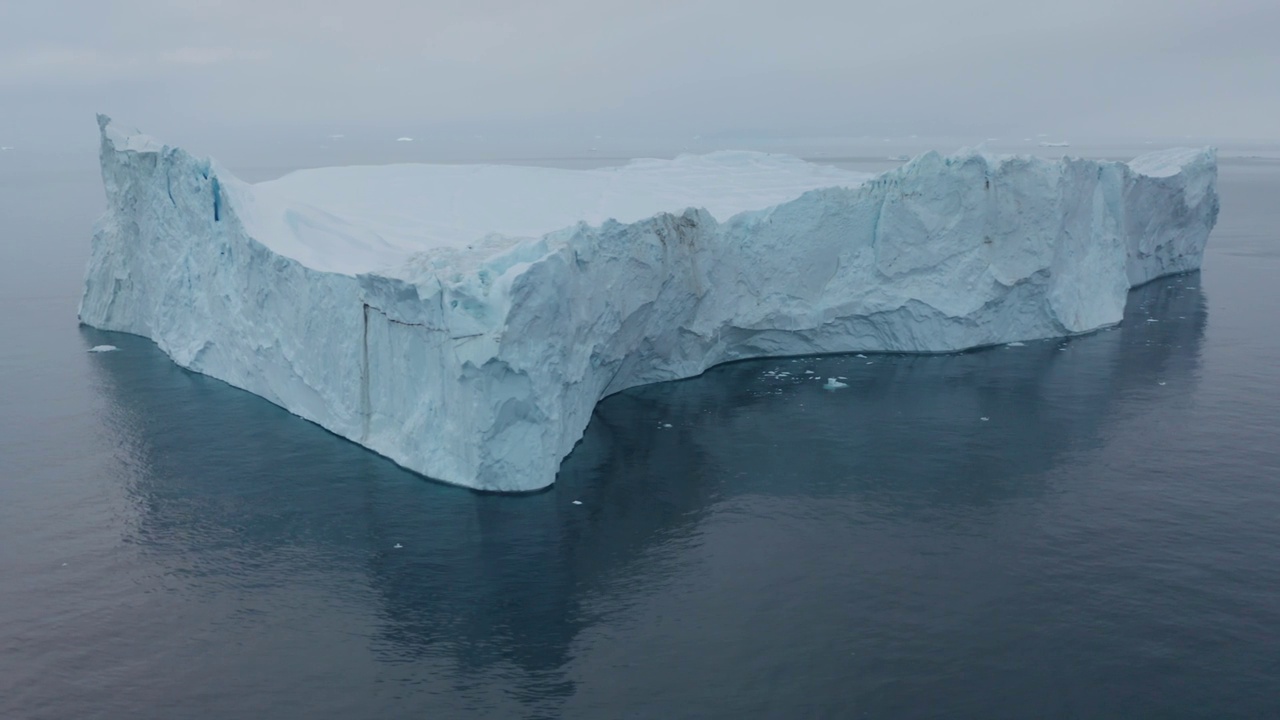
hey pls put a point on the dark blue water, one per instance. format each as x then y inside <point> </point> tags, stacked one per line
<point>1106,543</point>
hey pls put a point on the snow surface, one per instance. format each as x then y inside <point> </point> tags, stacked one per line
<point>464,320</point>
<point>355,220</point>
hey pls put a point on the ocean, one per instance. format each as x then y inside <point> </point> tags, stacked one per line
<point>1076,528</point>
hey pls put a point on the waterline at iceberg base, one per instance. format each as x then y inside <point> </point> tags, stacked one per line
<point>463,320</point>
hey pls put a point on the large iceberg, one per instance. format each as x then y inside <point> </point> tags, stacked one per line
<point>463,320</point>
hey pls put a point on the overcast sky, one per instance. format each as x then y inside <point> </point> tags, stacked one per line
<point>1114,68</point>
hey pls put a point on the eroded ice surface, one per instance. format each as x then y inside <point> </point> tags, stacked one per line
<point>464,320</point>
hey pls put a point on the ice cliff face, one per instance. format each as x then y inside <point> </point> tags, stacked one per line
<point>476,358</point>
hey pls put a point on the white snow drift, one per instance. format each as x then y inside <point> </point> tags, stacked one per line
<point>464,320</point>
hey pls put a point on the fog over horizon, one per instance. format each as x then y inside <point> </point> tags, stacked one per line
<point>203,70</point>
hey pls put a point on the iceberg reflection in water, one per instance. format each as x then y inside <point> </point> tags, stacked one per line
<point>870,536</point>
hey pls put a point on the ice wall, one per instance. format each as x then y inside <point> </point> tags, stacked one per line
<point>479,364</point>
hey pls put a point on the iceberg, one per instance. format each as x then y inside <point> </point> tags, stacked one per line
<point>464,320</point>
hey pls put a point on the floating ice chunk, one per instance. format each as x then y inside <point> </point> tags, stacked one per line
<point>404,139</point>
<point>666,425</point>
<point>1059,144</point>
<point>103,348</point>
<point>861,356</point>
<point>1152,320</point>
<point>808,372</point>
<point>577,502</point>
<point>1160,383</point>
<point>984,419</point>
<point>397,546</point>
<point>834,384</point>
<point>427,291</point>
<point>1015,344</point>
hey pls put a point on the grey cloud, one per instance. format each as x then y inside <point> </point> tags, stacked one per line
<point>1101,67</point>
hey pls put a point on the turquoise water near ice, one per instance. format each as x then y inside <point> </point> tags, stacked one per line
<point>1106,543</point>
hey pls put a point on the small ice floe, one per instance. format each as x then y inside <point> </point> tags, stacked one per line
<point>864,357</point>
<point>103,348</point>
<point>808,372</point>
<point>666,425</point>
<point>1015,344</point>
<point>834,384</point>
<point>984,419</point>
<point>1160,383</point>
<point>404,139</point>
<point>577,502</point>
<point>841,377</point>
<point>870,363</point>
<point>398,546</point>
<point>1152,320</point>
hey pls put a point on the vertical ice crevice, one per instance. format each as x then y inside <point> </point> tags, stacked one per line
<point>366,409</point>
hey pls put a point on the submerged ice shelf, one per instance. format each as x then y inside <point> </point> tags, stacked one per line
<point>463,320</point>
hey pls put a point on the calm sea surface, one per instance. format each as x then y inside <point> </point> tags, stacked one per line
<point>1087,528</point>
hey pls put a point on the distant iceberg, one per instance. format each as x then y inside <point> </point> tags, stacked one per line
<point>1060,144</point>
<point>464,320</point>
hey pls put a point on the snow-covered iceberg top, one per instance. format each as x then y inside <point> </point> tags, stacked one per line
<point>463,320</point>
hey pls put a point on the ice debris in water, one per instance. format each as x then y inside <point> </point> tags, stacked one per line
<point>864,357</point>
<point>398,546</point>
<point>1015,344</point>
<point>577,502</point>
<point>985,419</point>
<point>834,384</point>
<point>404,139</point>
<point>103,348</point>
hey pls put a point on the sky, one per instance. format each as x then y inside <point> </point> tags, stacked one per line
<point>1099,68</point>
